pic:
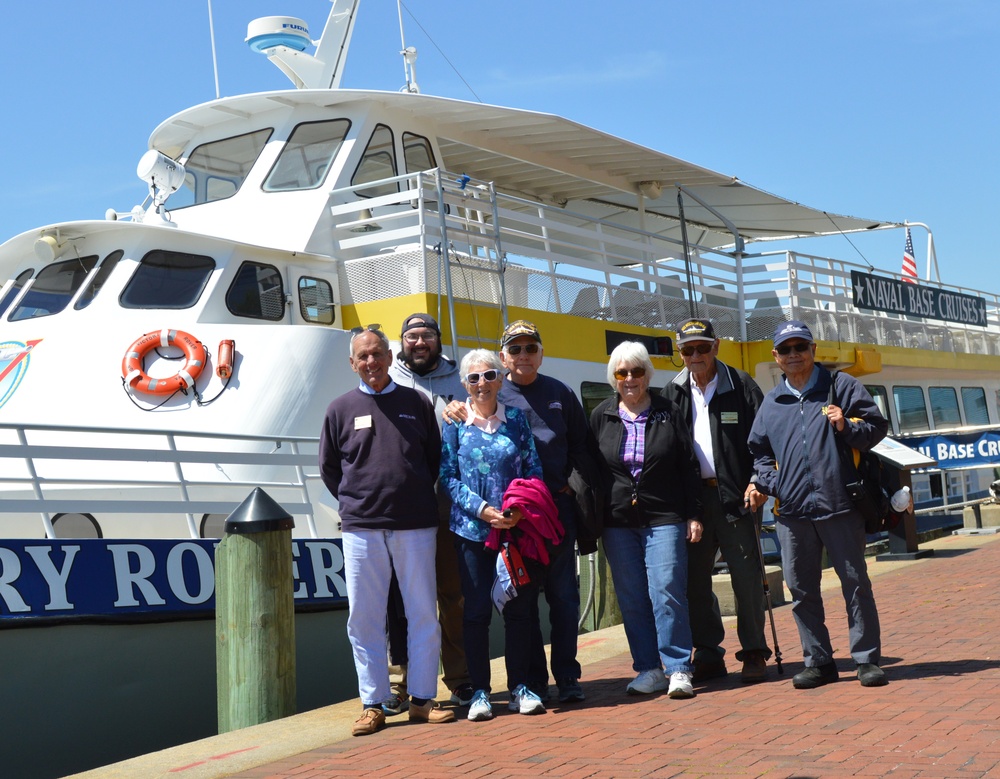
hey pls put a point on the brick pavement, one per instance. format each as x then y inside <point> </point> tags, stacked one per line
<point>939,717</point>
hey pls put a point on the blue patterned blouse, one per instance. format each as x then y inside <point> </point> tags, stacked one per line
<point>477,468</point>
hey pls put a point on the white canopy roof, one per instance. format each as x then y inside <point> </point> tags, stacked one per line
<point>550,159</point>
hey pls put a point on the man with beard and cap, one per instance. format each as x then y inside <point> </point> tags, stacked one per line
<point>421,365</point>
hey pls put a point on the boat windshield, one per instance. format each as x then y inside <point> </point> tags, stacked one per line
<point>216,170</point>
<point>52,289</point>
<point>167,280</point>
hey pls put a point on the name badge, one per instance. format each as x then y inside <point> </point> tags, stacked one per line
<point>729,417</point>
<point>360,423</point>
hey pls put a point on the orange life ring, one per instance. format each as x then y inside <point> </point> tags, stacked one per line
<point>195,358</point>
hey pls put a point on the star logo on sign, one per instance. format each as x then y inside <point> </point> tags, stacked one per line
<point>859,293</point>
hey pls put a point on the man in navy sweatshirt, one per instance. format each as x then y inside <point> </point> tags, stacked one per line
<point>379,452</point>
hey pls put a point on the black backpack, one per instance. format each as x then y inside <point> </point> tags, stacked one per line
<point>864,479</point>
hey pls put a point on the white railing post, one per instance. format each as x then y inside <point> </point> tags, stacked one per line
<point>192,527</point>
<point>36,487</point>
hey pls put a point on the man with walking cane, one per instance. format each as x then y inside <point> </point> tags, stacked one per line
<point>720,403</point>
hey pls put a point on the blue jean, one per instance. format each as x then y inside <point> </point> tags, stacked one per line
<point>477,569</point>
<point>649,569</point>
<point>562,593</point>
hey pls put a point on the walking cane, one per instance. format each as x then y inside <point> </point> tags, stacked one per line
<point>758,523</point>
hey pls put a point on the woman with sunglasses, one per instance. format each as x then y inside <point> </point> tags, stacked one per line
<point>480,457</point>
<point>653,511</point>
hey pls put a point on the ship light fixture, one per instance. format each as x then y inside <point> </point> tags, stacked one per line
<point>163,175</point>
<point>48,248</point>
<point>366,223</point>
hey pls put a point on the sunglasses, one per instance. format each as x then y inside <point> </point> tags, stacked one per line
<point>515,350</point>
<point>705,348</point>
<point>490,375</point>
<point>356,331</point>
<point>412,338</point>
<point>623,373</point>
<point>789,348</point>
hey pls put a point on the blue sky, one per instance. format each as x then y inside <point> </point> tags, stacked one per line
<point>884,110</point>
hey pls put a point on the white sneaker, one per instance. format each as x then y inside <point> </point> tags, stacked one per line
<point>647,682</point>
<point>480,708</point>
<point>525,701</point>
<point>680,685</point>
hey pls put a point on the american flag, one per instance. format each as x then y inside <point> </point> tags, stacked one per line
<point>909,264</point>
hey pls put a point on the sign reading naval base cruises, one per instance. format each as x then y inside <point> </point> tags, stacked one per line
<point>892,296</point>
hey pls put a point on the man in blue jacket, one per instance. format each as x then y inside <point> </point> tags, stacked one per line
<point>794,441</point>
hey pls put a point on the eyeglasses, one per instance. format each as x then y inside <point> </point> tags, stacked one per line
<point>623,373</point>
<point>412,338</point>
<point>705,348</point>
<point>490,375</point>
<point>788,348</point>
<point>356,331</point>
<point>515,350</point>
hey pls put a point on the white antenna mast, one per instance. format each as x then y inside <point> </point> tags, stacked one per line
<point>215,61</point>
<point>409,56</point>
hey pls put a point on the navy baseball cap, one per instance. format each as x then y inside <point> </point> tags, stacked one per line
<point>792,329</point>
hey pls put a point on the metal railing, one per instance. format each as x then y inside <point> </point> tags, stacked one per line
<point>445,233</point>
<point>48,470</point>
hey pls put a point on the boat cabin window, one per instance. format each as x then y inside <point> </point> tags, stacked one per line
<point>167,279</point>
<point>15,289</point>
<point>378,162</point>
<point>974,401</point>
<point>881,398</point>
<point>216,170</point>
<point>97,282</point>
<point>911,411</point>
<point>53,288</point>
<point>257,292</point>
<point>944,407</point>
<point>306,157</point>
<point>316,300</point>
<point>417,153</point>
<point>76,526</point>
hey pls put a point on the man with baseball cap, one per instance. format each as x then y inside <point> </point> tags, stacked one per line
<point>421,364</point>
<point>794,441</point>
<point>719,403</point>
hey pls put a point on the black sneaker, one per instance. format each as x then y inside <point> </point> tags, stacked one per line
<point>870,675</point>
<point>463,694</point>
<point>396,704</point>
<point>570,691</point>
<point>815,676</point>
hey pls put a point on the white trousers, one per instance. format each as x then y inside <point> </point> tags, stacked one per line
<point>370,556</point>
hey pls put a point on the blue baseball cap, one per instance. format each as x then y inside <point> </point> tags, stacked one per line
<point>792,329</point>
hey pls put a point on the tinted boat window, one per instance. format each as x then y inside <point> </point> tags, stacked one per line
<point>881,398</point>
<point>53,288</point>
<point>98,281</point>
<point>974,400</point>
<point>167,280</point>
<point>257,292</point>
<point>307,155</point>
<point>417,153</point>
<point>316,300</point>
<point>16,287</point>
<point>944,406</point>
<point>911,411</point>
<point>378,163</point>
<point>216,170</point>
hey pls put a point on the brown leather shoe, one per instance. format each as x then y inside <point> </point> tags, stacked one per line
<point>371,720</point>
<point>754,669</point>
<point>712,669</point>
<point>430,712</point>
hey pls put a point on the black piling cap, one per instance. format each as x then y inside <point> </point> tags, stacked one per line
<point>258,514</point>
